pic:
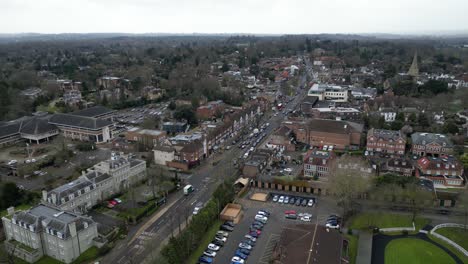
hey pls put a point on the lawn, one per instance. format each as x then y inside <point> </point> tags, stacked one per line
<point>451,248</point>
<point>457,235</point>
<point>415,251</point>
<point>384,220</point>
<point>353,248</point>
<point>210,234</point>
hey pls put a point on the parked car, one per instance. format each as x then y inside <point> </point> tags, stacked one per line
<point>226,228</point>
<point>240,254</point>
<point>196,210</point>
<point>205,259</point>
<point>209,253</point>
<point>113,202</point>
<point>118,200</point>
<point>291,216</point>
<point>286,199</point>
<point>217,242</point>
<point>237,260</point>
<point>261,218</point>
<point>310,203</point>
<point>306,218</point>
<point>333,225</point>
<point>290,212</point>
<point>304,202</point>
<point>251,237</point>
<point>281,199</point>
<point>249,242</point>
<point>255,233</point>
<point>258,227</point>
<point>267,213</point>
<point>221,238</point>
<point>292,200</point>
<point>275,198</point>
<point>213,247</point>
<point>222,233</point>
<point>244,251</point>
<point>246,246</point>
<point>229,223</point>
<point>298,201</point>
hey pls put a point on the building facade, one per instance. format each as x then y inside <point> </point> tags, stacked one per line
<point>329,92</point>
<point>444,171</point>
<point>317,163</point>
<point>44,230</point>
<point>429,144</point>
<point>386,141</point>
<point>97,184</point>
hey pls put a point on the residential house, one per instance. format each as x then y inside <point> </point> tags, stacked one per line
<point>47,231</point>
<point>386,141</point>
<point>317,163</point>
<point>257,163</point>
<point>430,144</point>
<point>400,165</point>
<point>444,171</point>
<point>152,93</point>
<point>32,92</point>
<point>72,97</point>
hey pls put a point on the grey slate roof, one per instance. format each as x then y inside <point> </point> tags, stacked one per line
<point>37,126</point>
<point>79,121</point>
<point>385,134</point>
<point>70,188</point>
<point>427,138</point>
<point>9,129</point>
<point>43,217</point>
<point>95,111</point>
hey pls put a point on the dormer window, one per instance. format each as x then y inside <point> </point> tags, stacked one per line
<point>59,234</point>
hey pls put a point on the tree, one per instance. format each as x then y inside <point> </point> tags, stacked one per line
<point>347,180</point>
<point>416,197</point>
<point>462,203</point>
<point>10,195</point>
<point>225,67</point>
<point>434,87</point>
<point>423,121</point>
<point>151,123</point>
<point>185,112</point>
<point>450,127</point>
<point>172,105</point>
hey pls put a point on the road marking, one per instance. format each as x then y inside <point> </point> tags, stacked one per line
<point>120,259</point>
<point>268,251</point>
<point>313,240</point>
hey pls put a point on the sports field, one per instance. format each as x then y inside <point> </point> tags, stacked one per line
<point>415,251</point>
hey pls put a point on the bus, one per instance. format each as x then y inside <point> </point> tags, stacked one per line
<point>188,189</point>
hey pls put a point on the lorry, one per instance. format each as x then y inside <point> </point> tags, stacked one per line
<point>188,189</point>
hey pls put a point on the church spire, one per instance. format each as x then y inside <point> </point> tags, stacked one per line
<point>414,69</point>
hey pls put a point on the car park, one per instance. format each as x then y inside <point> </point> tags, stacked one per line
<point>213,247</point>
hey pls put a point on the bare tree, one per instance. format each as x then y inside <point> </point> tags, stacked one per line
<point>349,178</point>
<point>416,197</point>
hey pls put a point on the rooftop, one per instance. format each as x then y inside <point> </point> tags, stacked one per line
<point>428,138</point>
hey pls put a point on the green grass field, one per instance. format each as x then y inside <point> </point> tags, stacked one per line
<point>353,248</point>
<point>457,235</point>
<point>209,236</point>
<point>384,220</point>
<point>415,251</point>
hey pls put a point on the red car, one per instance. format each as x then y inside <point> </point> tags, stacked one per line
<point>113,202</point>
<point>258,232</point>
<point>290,212</point>
<point>110,205</point>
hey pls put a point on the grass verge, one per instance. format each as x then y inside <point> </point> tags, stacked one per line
<point>353,247</point>
<point>210,234</point>
<point>384,220</point>
<point>457,235</point>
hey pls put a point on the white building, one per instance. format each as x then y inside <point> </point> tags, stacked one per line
<point>329,92</point>
<point>163,154</point>
<point>44,230</point>
<point>97,184</point>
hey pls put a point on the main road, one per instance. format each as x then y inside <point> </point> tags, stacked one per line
<point>144,242</point>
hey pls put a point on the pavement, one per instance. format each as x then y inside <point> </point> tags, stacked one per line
<point>364,254</point>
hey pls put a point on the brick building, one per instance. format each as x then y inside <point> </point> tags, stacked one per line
<point>210,110</point>
<point>444,171</point>
<point>386,141</point>
<point>321,132</point>
<point>429,144</point>
<point>317,163</point>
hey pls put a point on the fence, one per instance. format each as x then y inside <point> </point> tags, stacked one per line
<point>450,242</point>
<point>397,229</point>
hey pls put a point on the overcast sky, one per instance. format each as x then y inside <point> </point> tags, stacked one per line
<point>233,16</point>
